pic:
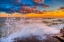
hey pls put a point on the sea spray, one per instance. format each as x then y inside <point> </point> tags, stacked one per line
<point>14,28</point>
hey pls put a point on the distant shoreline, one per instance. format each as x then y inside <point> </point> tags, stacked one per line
<point>33,17</point>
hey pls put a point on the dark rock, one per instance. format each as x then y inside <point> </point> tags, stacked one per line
<point>60,36</point>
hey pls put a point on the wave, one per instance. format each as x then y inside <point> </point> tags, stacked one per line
<point>14,28</point>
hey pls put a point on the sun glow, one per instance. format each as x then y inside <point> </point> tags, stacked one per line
<point>54,13</point>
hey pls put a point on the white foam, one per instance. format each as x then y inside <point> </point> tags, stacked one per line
<point>22,29</point>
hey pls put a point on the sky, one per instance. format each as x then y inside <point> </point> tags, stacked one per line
<point>26,6</point>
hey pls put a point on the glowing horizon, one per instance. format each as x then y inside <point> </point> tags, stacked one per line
<point>48,14</point>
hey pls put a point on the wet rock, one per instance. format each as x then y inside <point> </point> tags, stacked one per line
<point>60,36</point>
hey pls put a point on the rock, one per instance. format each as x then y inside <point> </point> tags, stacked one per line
<point>60,36</point>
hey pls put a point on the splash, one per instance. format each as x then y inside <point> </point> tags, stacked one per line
<point>14,28</point>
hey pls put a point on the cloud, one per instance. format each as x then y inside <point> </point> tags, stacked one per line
<point>11,6</point>
<point>7,10</point>
<point>4,1</point>
<point>39,1</point>
<point>15,1</point>
<point>45,6</point>
<point>61,7</point>
<point>26,9</point>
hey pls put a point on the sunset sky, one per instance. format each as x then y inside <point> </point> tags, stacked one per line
<point>29,6</point>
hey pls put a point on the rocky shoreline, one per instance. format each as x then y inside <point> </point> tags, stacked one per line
<point>60,36</point>
<point>56,38</point>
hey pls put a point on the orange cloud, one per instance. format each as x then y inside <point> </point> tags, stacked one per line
<point>39,1</point>
<point>26,9</point>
